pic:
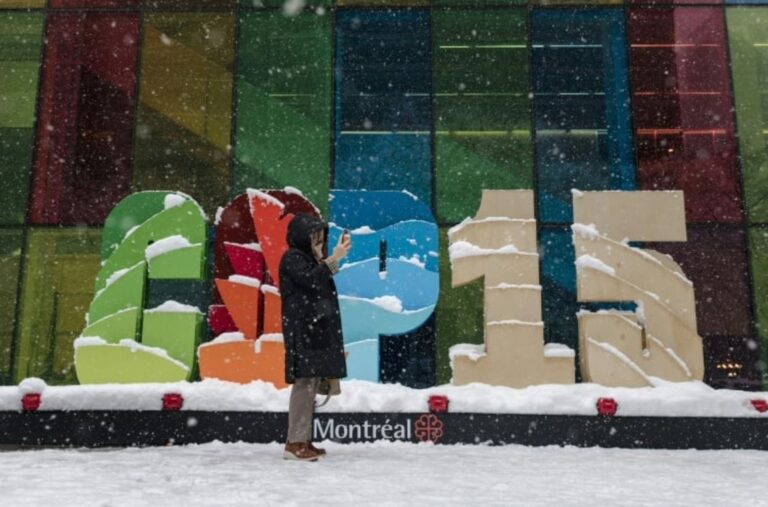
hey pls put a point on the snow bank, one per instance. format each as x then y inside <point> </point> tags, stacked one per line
<point>694,399</point>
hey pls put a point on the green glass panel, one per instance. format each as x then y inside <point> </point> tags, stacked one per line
<point>758,245</point>
<point>20,39</point>
<point>10,256</point>
<point>183,128</point>
<point>478,3</point>
<point>60,267</point>
<point>481,107</point>
<point>459,313</point>
<point>260,4</point>
<point>284,104</point>
<point>748,40</point>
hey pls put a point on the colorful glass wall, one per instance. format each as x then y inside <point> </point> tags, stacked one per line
<point>441,98</point>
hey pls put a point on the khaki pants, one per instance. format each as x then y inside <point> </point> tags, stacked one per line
<point>301,409</point>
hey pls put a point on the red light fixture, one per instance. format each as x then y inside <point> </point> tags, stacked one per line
<point>30,402</point>
<point>173,401</point>
<point>438,404</point>
<point>760,405</point>
<point>607,407</point>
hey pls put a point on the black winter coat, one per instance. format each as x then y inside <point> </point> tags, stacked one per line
<point>314,346</point>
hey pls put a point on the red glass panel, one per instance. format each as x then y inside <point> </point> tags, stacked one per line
<point>714,258</point>
<point>675,2</point>
<point>682,109</point>
<point>85,122</point>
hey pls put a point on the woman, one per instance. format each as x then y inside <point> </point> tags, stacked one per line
<point>314,347</point>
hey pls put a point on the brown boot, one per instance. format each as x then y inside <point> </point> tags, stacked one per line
<point>320,452</point>
<point>299,451</point>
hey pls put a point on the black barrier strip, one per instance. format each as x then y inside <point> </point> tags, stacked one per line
<point>154,428</point>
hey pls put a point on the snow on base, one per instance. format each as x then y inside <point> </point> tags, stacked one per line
<point>686,399</point>
<point>172,306</point>
<point>469,221</point>
<point>165,245</point>
<point>473,351</point>
<point>461,249</point>
<point>235,336</point>
<point>586,231</point>
<point>173,200</point>
<point>587,261</point>
<point>89,341</point>
<point>263,196</point>
<point>245,280</point>
<point>558,350</point>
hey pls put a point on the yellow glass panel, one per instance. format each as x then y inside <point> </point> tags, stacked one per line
<point>21,4</point>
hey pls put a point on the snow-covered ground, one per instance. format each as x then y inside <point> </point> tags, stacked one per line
<point>382,474</point>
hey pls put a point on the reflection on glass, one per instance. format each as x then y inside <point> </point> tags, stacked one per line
<point>284,104</point>
<point>481,107</point>
<point>85,119</point>
<point>10,254</point>
<point>714,259</point>
<point>60,267</point>
<point>185,105</point>
<point>20,40</point>
<point>383,116</point>
<point>581,106</point>
<point>748,40</point>
<point>682,109</point>
<point>758,246</point>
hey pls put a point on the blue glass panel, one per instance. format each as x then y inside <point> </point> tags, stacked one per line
<point>581,106</point>
<point>558,282</point>
<point>383,102</point>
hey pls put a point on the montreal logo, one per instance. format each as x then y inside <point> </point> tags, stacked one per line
<point>425,428</point>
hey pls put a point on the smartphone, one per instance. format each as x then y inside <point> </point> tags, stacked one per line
<point>345,236</point>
